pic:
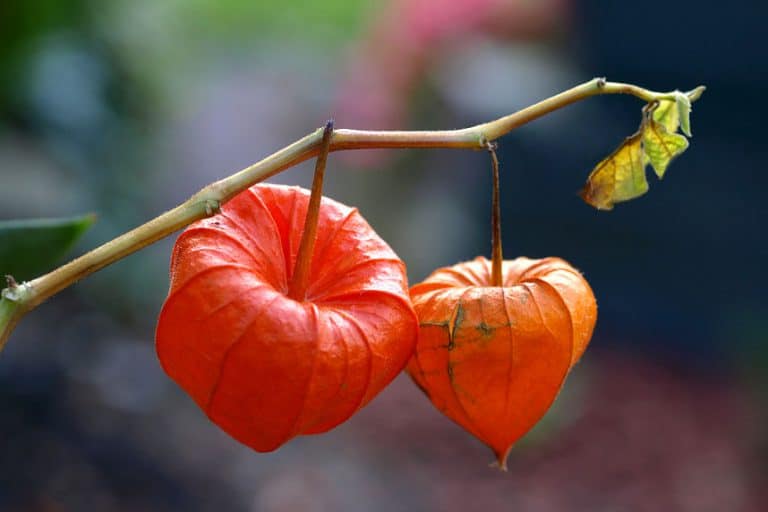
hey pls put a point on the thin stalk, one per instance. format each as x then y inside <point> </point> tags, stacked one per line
<point>497,258</point>
<point>298,286</point>
<point>208,200</point>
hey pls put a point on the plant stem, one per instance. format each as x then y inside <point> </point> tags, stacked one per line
<point>497,258</point>
<point>298,286</point>
<point>208,200</point>
<point>9,317</point>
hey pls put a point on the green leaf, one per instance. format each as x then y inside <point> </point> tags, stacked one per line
<point>31,247</point>
<point>675,113</point>
<point>619,177</point>
<point>684,113</point>
<point>661,146</point>
<point>668,114</point>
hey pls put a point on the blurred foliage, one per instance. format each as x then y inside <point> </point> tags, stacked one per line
<point>31,247</point>
<point>147,33</point>
<point>22,24</point>
<point>227,19</point>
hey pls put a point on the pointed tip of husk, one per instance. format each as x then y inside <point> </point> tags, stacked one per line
<point>501,459</point>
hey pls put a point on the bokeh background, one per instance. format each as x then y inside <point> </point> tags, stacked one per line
<point>125,108</point>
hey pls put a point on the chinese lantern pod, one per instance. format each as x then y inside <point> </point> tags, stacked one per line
<point>266,367</point>
<point>494,358</point>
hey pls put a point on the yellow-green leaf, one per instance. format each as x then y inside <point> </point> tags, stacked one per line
<point>619,177</point>
<point>675,113</point>
<point>684,113</point>
<point>661,146</point>
<point>668,114</point>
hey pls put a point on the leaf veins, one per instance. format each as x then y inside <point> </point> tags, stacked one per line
<point>661,146</point>
<point>619,177</point>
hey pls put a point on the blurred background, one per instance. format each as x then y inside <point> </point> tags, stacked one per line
<point>126,108</point>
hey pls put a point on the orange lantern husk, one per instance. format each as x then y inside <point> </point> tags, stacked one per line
<point>265,366</point>
<point>497,338</point>
<point>493,358</point>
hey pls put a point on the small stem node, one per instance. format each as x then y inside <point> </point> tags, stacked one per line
<point>11,282</point>
<point>212,207</point>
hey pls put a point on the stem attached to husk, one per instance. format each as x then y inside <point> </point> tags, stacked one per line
<point>496,253</point>
<point>298,287</point>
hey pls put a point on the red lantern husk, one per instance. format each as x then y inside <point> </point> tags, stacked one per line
<point>266,367</point>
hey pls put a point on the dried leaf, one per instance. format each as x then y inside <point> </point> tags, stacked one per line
<point>661,146</point>
<point>619,177</point>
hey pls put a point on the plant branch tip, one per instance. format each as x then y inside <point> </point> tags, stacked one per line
<point>695,94</point>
